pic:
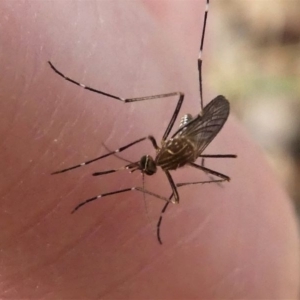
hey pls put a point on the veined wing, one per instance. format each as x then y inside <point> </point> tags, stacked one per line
<point>203,128</point>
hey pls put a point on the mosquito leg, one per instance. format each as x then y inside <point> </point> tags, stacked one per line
<point>100,196</point>
<point>173,186</point>
<point>118,192</point>
<point>215,156</point>
<point>150,138</point>
<point>200,54</point>
<point>206,170</point>
<point>210,176</point>
<point>125,100</point>
<point>153,141</point>
<point>170,201</point>
<point>80,84</point>
<point>200,182</point>
<point>102,156</point>
<point>202,162</point>
<point>218,155</point>
<point>160,219</point>
<point>151,194</point>
<point>175,114</point>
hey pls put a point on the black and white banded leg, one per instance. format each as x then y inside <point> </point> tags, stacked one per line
<point>158,226</point>
<point>200,54</point>
<point>167,132</point>
<point>139,189</point>
<point>215,156</point>
<point>102,156</point>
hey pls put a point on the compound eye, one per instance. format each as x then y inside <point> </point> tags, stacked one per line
<point>144,162</point>
<point>148,165</point>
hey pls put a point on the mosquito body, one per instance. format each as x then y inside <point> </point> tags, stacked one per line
<point>183,148</point>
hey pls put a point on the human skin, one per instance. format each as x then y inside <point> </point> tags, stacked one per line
<point>238,241</point>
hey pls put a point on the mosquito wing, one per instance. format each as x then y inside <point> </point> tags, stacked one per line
<point>203,128</point>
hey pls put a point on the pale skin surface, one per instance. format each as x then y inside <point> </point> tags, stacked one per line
<point>239,241</point>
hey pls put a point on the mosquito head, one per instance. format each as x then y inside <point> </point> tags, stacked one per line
<point>147,165</point>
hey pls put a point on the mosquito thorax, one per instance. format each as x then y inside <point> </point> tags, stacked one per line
<point>147,165</point>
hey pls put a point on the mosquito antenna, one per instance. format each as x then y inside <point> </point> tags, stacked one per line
<point>200,54</point>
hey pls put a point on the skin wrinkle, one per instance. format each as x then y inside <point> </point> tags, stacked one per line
<point>120,281</point>
<point>10,128</point>
<point>94,230</point>
<point>24,172</point>
<point>165,252</point>
<point>129,278</point>
<point>46,213</point>
<point>194,233</point>
<point>50,261</point>
<point>53,117</point>
<point>152,260</point>
<point>235,273</point>
<point>6,135</point>
<point>30,227</point>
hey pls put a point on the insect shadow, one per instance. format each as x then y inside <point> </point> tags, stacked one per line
<point>183,148</point>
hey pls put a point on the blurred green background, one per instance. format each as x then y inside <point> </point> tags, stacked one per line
<point>256,64</point>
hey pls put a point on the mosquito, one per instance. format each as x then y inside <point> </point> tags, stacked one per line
<point>182,148</point>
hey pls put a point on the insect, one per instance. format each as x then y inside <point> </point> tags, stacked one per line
<point>183,148</point>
